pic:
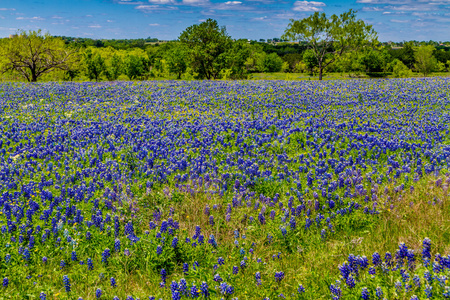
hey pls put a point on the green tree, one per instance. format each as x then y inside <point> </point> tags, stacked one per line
<point>272,63</point>
<point>406,54</point>
<point>177,59</point>
<point>114,67</point>
<point>330,38</point>
<point>207,43</point>
<point>399,69</point>
<point>33,54</point>
<point>374,61</point>
<point>94,64</point>
<point>310,60</point>
<point>135,66</point>
<point>236,59</point>
<point>425,61</point>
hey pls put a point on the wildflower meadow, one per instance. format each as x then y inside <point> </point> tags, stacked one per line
<point>225,190</point>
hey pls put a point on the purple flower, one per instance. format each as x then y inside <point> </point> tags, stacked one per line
<point>113,282</point>
<point>98,293</point>
<point>279,276</point>
<point>66,282</point>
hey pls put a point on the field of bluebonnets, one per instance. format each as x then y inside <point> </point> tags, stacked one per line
<point>225,190</point>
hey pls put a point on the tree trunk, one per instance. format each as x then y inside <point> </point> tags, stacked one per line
<point>33,75</point>
<point>320,70</point>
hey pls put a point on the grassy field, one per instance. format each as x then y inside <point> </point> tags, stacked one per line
<point>225,189</point>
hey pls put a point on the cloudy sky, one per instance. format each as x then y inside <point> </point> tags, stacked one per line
<point>394,20</point>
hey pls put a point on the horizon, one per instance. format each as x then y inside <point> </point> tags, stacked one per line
<point>395,21</point>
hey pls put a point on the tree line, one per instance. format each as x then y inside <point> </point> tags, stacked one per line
<point>315,45</point>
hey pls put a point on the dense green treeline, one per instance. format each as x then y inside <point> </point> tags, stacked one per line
<point>206,51</point>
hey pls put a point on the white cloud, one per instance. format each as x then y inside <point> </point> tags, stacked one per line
<point>259,18</point>
<point>399,21</point>
<point>110,21</point>
<point>154,24</point>
<point>153,7</point>
<point>95,26</point>
<point>131,2</point>
<point>3,8</point>
<point>32,19</point>
<point>308,6</point>
<point>233,2</point>
<point>161,1</point>
<point>195,2</point>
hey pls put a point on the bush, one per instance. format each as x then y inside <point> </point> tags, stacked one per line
<point>400,70</point>
<point>272,63</point>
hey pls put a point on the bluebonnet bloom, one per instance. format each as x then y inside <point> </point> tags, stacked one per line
<point>159,250</point>
<point>204,289</point>
<point>194,292</point>
<point>185,268</point>
<point>26,254</point>
<point>301,289</point>
<point>174,242</point>
<point>426,252</point>
<point>379,292</point>
<point>164,226</point>
<point>62,264</point>
<point>221,261</point>
<point>42,296</point>
<point>365,294</point>
<point>376,259</point>
<point>335,291</point>
<point>212,241</point>
<point>416,280</point>
<point>66,282</point>
<point>279,276</point>
<point>428,277</point>
<point>98,293</point>
<point>211,220</point>
<point>235,270</point>
<point>293,223</point>
<point>90,265</point>
<point>217,278</point>
<point>173,286</point>
<point>258,278</point>
<point>350,282</point>
<point>429,291</point>
<point>113,282</point>
<point>183,286</point>
<point>226,289</point>
<point>243,264</point>
<point>5,282</point>
<point>74,256</point>
<point>262,219</point>
<point>176,295</point>
<point>105,255</point>
<point>117,245</point>
<point>163,275</point>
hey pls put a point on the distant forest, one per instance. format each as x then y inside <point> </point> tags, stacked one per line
<point>206,51</point>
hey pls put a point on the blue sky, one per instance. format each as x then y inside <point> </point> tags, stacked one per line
<point>394,20</point>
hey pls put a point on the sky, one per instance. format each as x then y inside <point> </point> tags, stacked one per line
<point>394,20</point>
